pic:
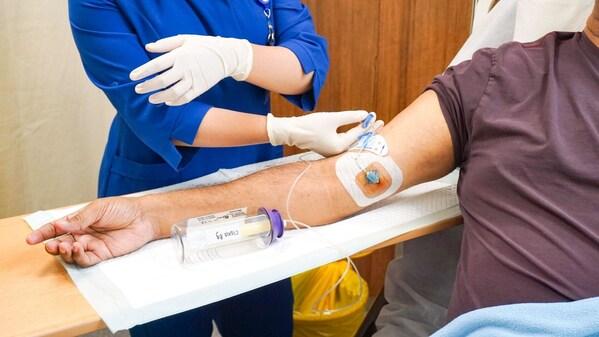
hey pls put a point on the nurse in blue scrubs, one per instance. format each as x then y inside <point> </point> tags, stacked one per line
<point>205,110</point>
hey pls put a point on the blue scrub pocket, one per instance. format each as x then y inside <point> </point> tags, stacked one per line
<point>128,176</point>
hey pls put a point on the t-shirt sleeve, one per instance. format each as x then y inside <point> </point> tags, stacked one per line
<point>110,50</point>
<point>460,90</point>
<point>294,30</point>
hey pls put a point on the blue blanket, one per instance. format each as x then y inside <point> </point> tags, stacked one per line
<point>567,319</point>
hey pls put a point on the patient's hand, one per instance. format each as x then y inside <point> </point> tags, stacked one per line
<point>104,229</point>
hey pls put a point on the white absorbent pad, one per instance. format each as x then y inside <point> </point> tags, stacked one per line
<point>150,283</point>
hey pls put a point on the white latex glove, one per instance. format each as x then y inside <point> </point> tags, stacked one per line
<point>195,64</point>
<point>318,131</point>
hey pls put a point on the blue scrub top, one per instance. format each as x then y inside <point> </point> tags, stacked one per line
<point>140,155</point>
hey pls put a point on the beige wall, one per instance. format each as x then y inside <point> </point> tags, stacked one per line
<point>53,121</point>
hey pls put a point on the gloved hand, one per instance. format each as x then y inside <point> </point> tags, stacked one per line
<point>195,64</point>
<point>318,131</point>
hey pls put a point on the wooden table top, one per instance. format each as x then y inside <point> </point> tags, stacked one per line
<point>38,297</point>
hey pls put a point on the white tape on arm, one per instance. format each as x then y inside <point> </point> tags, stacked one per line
<point>351,169</point>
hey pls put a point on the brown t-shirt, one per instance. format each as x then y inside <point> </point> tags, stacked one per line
<point>524,120</point>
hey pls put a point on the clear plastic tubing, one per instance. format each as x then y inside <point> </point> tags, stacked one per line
<point>231,233</point>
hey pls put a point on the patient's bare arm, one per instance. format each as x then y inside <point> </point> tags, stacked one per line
<point>419,143</point>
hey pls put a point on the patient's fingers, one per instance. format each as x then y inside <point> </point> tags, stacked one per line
<point>47,231</point>
<point>52,245</point>
<point>65,249</point>
<point>53,229</point>
<point>83,257</point>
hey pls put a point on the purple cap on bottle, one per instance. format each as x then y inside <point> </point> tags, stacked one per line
<point>277,222</point>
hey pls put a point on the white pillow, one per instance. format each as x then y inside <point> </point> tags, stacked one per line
<point>536,18</point>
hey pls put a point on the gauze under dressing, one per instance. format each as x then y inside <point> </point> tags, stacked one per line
<point>351,167</point>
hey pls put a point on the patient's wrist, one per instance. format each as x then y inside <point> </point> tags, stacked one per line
<point>155,212</point>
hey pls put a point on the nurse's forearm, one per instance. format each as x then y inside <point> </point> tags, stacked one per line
<point>224,128</point>
<point>278,69</point>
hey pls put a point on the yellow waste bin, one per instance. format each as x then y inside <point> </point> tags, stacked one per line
<point>310,316</point>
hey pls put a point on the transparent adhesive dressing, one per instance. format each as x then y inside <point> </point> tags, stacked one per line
<point>226,234</point>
